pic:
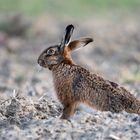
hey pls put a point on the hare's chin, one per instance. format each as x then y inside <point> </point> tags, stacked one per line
<point>43,65</point>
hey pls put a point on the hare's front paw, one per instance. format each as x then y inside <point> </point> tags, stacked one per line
<point>69,111</point>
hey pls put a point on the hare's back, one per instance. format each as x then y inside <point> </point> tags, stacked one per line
<point>89,84</point>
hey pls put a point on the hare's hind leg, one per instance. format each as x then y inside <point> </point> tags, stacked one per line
<point>69,110</point>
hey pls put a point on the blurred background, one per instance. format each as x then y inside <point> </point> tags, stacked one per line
<point>29,26</point>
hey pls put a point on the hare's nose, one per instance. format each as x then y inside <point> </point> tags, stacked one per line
<point>40,62</point>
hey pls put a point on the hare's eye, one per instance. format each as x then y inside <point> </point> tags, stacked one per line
<point>50,52</point>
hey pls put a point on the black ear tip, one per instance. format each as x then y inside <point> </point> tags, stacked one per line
<point>69,27</point>
<point>90,40</point>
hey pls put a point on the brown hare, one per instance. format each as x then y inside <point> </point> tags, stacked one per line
<point>74,84</point>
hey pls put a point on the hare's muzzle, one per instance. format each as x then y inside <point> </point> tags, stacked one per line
<point>41,62</point>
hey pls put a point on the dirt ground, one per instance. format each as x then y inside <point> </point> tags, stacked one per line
<point>29,108</point>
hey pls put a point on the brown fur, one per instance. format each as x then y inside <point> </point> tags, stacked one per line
<point>74,84</point>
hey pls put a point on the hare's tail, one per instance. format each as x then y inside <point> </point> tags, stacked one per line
<point>130,103</point>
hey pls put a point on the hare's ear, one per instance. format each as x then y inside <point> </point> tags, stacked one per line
<point>67,36</point>
<point>79,43</point>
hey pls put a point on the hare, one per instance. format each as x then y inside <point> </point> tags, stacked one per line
<point>74,84</point>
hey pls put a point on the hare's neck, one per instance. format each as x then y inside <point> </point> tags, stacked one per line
<point>63,69</point>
